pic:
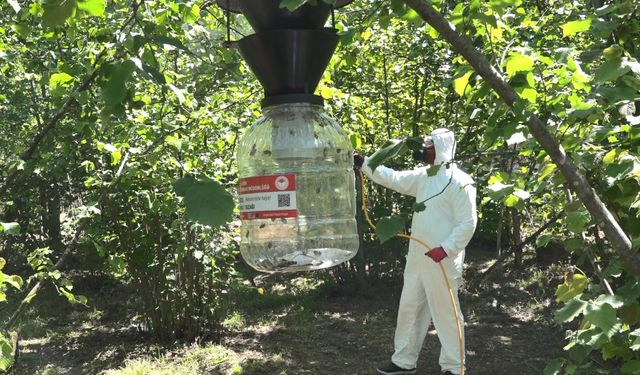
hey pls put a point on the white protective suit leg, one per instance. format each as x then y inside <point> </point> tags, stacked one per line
<point>444,318</point>
<point>414,318</point>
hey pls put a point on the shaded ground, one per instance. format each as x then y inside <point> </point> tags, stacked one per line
<point>297,327</point>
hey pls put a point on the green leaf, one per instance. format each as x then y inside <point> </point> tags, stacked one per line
<point>604,317</point>
<point>10,228</point>
<point>610,70</point>
<point>631,367</point>
<point>116,89</point>
<point>3,262</point>
<point>570,310</point>
<point>554,367</point>
<point>388,227</point>
<point>15,281</point>
<point>6,353</point>
<point>461,84</point>
<point>181,185</point>
<point>577,221</point>
<point>56,12</point>
<point>547,170</point>
<point>60,80</point>
<point>572,286</point>
<point>390,149</point>
<point>543,240</point>
<point>497,191</point>
<point>207,202</point>
<point>292,5</point>
<point>170,41</point>
<point>356,143</point>
<point>519,63</point>
<point>92,7</point>
<point>573,27</point>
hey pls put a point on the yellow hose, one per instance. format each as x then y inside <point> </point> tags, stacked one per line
<point>444,273</point>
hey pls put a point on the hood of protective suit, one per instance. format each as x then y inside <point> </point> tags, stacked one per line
<point>445,144</point>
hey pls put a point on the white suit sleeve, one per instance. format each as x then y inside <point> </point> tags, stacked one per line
<point>463,203</point>
<point>404,182</point>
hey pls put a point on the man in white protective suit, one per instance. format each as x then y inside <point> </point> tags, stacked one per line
<point>446,225</point>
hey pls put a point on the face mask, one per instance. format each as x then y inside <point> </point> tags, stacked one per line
<point>420,155</point>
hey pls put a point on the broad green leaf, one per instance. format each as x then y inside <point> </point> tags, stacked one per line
<point>570,310</point>
<point>461,84</point>
<point>10,228</point>
<point>56,12</point>
<point>3,262</point>
<point>6,353</point>
<point>60,80</point>
<point>92,7</point>
<point>181,185</point>
<point>390,150</point>
<point>519,63</point>
<point>610,70</point>
<point>419,207</point>
<point>577,221</point>
<point>604,317</point>
<point>15,281</point>
<point>572,286</point>
<point>116,89</point>
<point>573,27</point>
<point>207,202</point>
<point>388,227</point>
<point>554,367</point>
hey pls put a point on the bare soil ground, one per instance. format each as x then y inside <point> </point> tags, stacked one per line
<point>509,330</point>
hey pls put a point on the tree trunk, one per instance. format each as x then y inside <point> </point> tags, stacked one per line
<point>603,218</point>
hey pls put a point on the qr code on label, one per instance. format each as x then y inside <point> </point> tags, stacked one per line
<point>284,200</point>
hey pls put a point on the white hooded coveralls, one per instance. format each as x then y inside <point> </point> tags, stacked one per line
<point>449,220</point>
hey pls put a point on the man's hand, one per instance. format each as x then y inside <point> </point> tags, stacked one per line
<point>437,254</point>
<point>358,160</point>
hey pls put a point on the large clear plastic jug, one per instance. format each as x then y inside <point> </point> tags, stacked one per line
<point>296,191</point>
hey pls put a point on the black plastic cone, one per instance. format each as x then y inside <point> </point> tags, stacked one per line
<point>267,15</point>
<point>289,61</point>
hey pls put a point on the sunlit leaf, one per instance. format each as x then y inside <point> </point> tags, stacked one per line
<point>519,63</point>
<point>572,286</point>
<point>92,7</point>
<point>461,84</point>
<point>573,27</point>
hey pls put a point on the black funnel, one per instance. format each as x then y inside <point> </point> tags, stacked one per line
<point>234,5</point>
<point>267,15</point>
<point>289,61</point>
